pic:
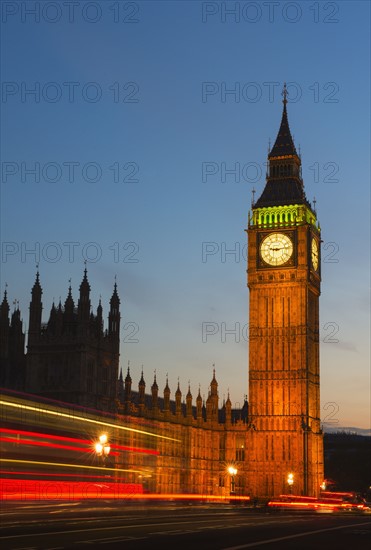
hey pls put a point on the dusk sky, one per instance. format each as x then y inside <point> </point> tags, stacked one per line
<point>123,156</point>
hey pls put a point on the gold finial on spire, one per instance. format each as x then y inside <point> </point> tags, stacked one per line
<point>285,93</point>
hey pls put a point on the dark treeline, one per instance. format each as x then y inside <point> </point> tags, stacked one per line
<point>348,462</point>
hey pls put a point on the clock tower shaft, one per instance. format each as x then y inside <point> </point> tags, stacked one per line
<point>283,277</point>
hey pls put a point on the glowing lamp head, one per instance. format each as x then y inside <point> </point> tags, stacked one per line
<point>98,448</point>
<point>107,450</point>
<point>103,439</point>
<point>232,470</point>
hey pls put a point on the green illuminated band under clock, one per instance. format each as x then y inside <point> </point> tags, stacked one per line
<point>283,276</point>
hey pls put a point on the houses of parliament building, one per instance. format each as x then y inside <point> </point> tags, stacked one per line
<point>73,359</point>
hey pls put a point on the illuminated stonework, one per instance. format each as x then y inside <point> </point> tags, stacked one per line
<point>282,216</point>
<point>284,398</point>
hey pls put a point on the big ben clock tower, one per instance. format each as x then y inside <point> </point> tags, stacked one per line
<point>283,276</point>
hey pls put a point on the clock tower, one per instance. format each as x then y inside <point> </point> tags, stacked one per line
<point>283,276</point>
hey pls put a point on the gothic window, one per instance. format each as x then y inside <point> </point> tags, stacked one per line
<point>240,449</point>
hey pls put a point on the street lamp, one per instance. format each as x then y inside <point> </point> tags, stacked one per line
<point>290,481</point>
<point>102,447</point>
<point>232,472</point>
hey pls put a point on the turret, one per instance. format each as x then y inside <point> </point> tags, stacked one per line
<point>69,313</point>
<point>16,350</point>
<point>154,391</point>
<point>189,403</point>
<point>34,325</point>
<point>4,327</point>
<point>99,319</point>
<point>59,319</point>
<point>128,383</point>
<point>209,408</point>
<point>199,405</point>
<point>83,306</point>
<point>120,388</point>
<point>178,401</point>
<point>214,397</point>
<point>142,393</point>
<point>228,412</point>
<point>167,397</point>
<point>114,318</point>
<point>52,320</point>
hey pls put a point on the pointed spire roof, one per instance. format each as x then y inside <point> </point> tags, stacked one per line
<point>85,286</point>
<point>189,395</point>
<point>141,381</point>
<point>69,300</point>
<point>167,389</point>
<point>284,144</point>
<point>213,381</point>
<point>36,289</point>
<point>4,304</point>
<point>115,300</point>
<point>154,385</point>
<point>284,184</point>
<point>128,377</point>
<point>228,402</point>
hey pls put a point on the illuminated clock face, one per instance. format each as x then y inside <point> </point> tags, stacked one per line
<point>276,249</point>
<point>314,247</point>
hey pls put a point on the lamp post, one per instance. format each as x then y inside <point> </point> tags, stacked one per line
<point>232,472</point>
<point>290,481</point>
<point>102,447</point>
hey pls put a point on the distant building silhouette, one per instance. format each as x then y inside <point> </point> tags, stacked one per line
<point>12,345</point>
<point>71,357</point>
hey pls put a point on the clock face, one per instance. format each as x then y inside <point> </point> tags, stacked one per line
<point>314,254</point>
<point>276,249</point>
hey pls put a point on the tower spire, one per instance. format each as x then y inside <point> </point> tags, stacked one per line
<point>284,183</point>
<point>284,144</point>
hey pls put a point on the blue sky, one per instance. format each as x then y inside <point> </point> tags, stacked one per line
<point>127,100</point>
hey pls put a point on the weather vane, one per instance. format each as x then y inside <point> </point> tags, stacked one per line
<point>285,93</point>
